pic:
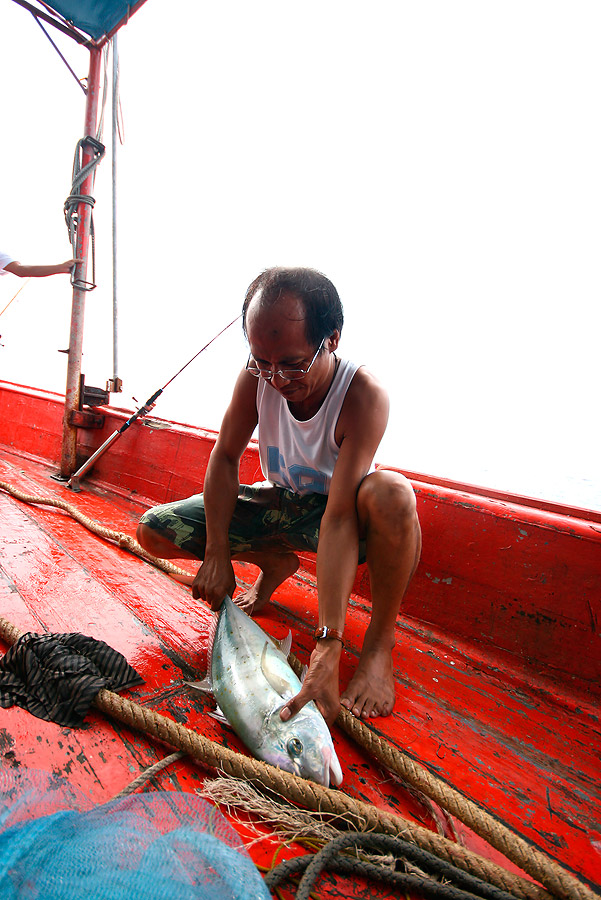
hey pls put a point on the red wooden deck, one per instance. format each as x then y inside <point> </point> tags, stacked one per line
<point>497,662</point>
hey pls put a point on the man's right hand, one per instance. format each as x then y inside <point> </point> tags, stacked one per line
<point>320,684</point>
<point>214,580</point>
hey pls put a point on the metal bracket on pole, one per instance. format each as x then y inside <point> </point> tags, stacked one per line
<point>73,482</point>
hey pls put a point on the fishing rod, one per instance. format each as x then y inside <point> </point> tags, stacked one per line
<point>27,280</point>
<point>73,482</point>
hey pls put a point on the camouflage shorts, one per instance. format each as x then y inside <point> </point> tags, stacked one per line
<point>265,518</point>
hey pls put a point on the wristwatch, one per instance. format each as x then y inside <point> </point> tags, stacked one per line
<point>325,632</point>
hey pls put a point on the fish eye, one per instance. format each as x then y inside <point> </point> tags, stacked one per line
<point>295,747</point>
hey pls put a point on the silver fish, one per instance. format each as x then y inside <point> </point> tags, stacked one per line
<point>251,680</point>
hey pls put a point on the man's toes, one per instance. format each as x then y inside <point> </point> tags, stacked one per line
<point>350,700</point>
<point>360,708</point>
<point>370,710</point>
<point>354,703</point>
<point>364,706</point>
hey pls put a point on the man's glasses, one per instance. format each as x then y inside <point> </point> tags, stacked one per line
<point>286,374</point>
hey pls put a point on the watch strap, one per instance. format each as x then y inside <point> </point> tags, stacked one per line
<point>324,632</point>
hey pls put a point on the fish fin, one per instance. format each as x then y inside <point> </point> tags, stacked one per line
<point>303,674</point>
<point>207,688</point>
<point>219,716</point>
<point>281,685</point>
<point>213,622</point>
<point>336,776</point>
<point>205,685</point>
<point>285,644</point>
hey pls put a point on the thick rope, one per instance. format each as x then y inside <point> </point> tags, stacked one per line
<point>545,870</point>
<point>303,793</point>
<point>537,864</point>
<point>118,537</point>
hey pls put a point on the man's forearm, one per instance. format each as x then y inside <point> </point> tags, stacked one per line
<point>25,271</point>
<point>220,493</point>
<point>337,555</point>
<point>215,578</point>
<point>336,568</point>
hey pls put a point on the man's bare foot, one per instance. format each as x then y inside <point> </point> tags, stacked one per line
<point>370,691</point>
<point>275,569</point>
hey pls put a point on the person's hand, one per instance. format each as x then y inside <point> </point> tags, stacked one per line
<point>214,580</point>
<point>67,266</point>
<point>320,684</point>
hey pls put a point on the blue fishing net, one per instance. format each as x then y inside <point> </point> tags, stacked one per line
<point>162,845</point>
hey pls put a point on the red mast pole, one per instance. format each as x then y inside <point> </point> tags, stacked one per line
<point>84,215</point>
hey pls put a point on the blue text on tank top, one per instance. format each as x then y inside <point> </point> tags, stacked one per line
<point>302,478</point>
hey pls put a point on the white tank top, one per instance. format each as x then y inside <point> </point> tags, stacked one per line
<point>297,455</point>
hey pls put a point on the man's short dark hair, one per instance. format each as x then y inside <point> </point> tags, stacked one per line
<point>323,309</point>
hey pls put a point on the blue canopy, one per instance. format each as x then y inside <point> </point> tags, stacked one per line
<point>96,17</point>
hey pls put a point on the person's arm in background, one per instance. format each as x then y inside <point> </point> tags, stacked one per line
<point>22,271</point>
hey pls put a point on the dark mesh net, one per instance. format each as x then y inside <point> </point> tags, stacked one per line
<point>162,845</point>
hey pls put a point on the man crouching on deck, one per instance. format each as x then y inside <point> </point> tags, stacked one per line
<point>321,419</point>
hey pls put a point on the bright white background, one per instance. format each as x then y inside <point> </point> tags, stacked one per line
<point>438,161</point>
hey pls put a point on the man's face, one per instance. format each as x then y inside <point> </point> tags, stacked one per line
<point>277,339</point>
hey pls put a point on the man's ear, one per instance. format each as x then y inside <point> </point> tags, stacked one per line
<point>333,341</point>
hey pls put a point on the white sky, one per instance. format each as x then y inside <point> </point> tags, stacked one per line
<point>438,161</point>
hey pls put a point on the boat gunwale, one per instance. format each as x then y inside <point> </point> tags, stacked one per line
<point>521,507</point>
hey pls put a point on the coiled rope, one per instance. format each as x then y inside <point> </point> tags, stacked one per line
<point>80,173</point>
<point>555,879</point>
<point>330,858</point>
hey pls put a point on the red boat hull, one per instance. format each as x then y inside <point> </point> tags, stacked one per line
<point>497,662</point>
